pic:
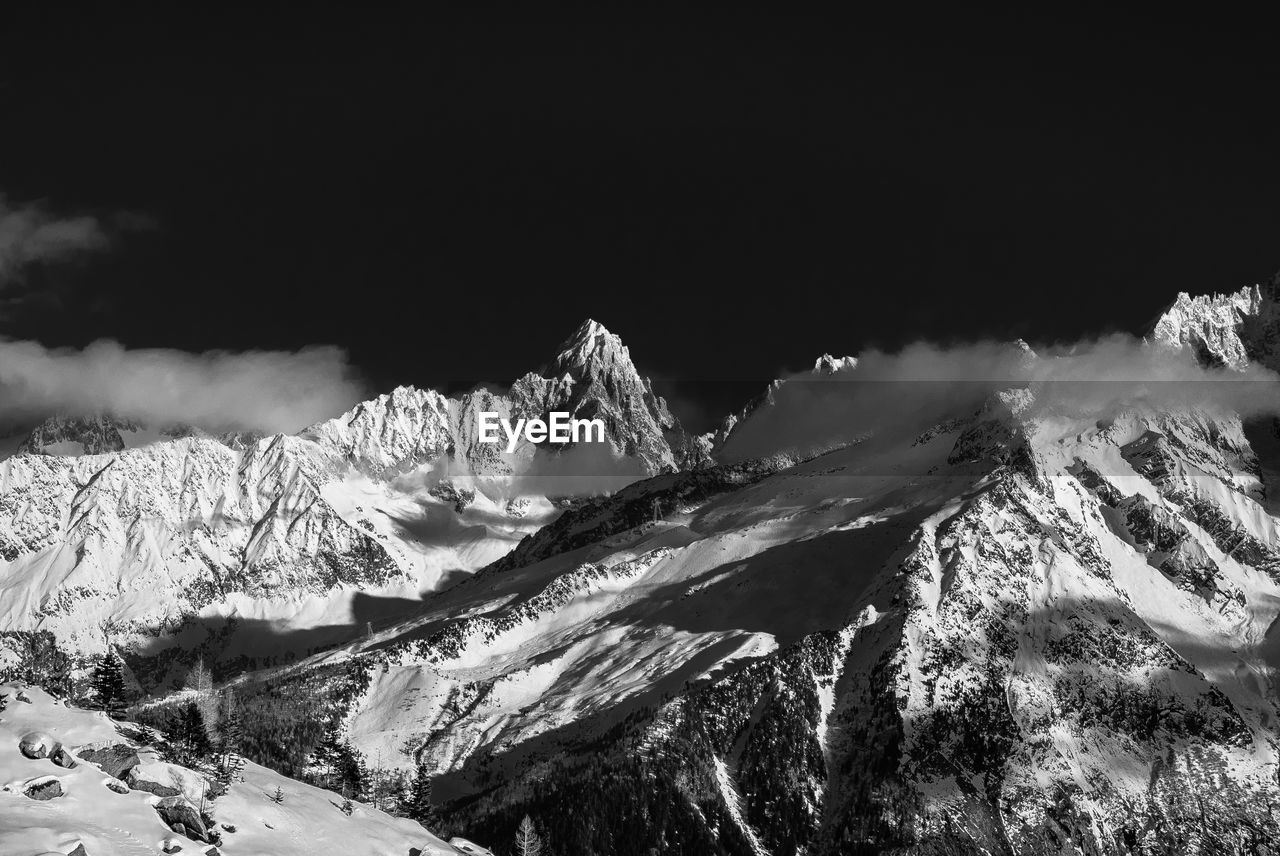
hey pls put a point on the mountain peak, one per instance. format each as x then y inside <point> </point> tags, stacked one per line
<point>829,365</point>
<point>591,350</point>
<point>1221,329</point>
<point>72,435</point>
<point>590,328</point>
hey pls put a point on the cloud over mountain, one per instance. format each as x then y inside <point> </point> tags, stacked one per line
<point>217,390</point>
<point>916,387</point>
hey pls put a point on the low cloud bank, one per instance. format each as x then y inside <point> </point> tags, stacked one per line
<point>267,391</point>
<point>918,387</point>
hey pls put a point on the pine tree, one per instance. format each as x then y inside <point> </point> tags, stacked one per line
<point>352,774</point>
<point>108,684</point>
<point>191,740</point>
<point>527,841</point>
<point>278,796</point>
<point>420,804</point>
<point>328,757</point>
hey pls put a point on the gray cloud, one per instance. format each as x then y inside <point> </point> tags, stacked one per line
<point>30,234</point>
<point>924,384</point>
<point>254,390</point>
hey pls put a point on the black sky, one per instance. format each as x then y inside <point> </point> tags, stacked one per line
<point>732,193</point>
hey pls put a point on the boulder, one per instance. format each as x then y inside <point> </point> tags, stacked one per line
<point>229,827</point>
<point>180,816</point>
<point>23,697</point>
<point>36,744</point>
<point>117,786</point>
<point>62,758</point>
<point>43,789</point>
<point>167,780</point>
<point>138,783</point>
<point>79,851</point>
<point>115,759</point>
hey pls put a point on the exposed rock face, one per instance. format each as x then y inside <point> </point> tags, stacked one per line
<point>180,816</point>
<point>140,783</point>
<point>827,365</point>
<point>1230,330</point>
<point>115,760</point>
<point>36,745</point>
<point>91,435</point>
<point>593,377</point>
<point>43,789</point>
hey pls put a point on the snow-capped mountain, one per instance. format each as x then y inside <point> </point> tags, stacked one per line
<point>93,435</point>
<point>1013,627</point>
<point>824,368</point>
<point>592,376</point>
<point>1226,329</point>
<point>110,529</point>
<point>1017,630</point>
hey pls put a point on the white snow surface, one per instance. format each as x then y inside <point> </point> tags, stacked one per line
<point>108,524</point>
<point>308,821</point>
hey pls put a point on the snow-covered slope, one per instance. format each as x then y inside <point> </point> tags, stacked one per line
<point>100,814</point>
<point>1021,629</point>
<point>1014,627</point>
<point>1050,645</point>
<point>174,537</point>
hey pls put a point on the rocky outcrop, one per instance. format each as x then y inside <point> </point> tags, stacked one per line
<point>139,782</point>
<point>116,760</point>
<point>1226,330</point>
<point>37,744</point>
<point>89,435</point>
<point>46,788</point>
<point>180,816</point>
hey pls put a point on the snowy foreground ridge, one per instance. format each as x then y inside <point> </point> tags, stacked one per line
<point>92,814</point>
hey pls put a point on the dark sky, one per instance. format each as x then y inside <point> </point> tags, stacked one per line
<point>733,194</point>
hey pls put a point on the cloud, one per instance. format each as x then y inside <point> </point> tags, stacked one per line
<point>914,389</point>
<point>31,234</point>
<point>266,391</point>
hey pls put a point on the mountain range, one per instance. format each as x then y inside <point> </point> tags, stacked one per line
<point>1002,625</point>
